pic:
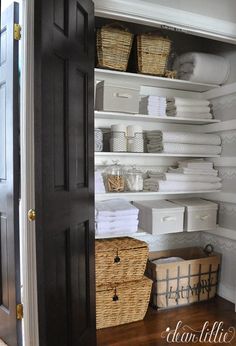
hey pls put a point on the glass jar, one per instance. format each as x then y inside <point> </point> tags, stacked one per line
<point>134,180</point>
<point>115,178</point>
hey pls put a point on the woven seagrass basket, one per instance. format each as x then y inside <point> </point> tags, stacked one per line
<point>114,44</point>
<point>122,303</point>
<point>120,260</point>
<point>152,53</point>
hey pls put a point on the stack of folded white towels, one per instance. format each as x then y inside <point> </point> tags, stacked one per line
<point>153,105</point>
<point>188,108</point>
<point>115,216</point>
<point>190,175</point>
<point>99,183</point>
<point>176,142</point>
<point>202,68</point>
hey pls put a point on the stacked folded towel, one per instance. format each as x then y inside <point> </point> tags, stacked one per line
<point>98,139</point>
<point>202,68</point>
<point>173,142</point>
<point>188,108</point>
<point>116,216</point>
<point>191,175</point>
<point>99,183</point>
<point>153,105</point>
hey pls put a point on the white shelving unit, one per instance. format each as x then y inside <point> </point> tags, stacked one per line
<point>149,118</point>
<point>152,81</point>
<point>121,154</point>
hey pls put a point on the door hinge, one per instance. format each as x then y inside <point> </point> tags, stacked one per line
<point>19,312</point>
<point>17,32</point>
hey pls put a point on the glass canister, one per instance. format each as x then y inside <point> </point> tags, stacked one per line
<point>134,179</point>
<point>115,178</point>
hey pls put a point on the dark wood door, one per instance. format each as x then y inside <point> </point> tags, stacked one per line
<point>9,180</point>
<point>64,166</point>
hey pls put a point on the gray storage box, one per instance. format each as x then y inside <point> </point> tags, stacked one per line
<point>160,217</point>
<point>114,98</point>
<point>200,214</point>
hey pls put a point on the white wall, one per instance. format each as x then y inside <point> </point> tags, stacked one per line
<point>220,9</point>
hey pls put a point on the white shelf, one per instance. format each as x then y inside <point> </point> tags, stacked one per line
<point>149,118</point>
<point>122,154</point>
<point>143,194</point>
<point>223,232</point>
<point>151,81</point>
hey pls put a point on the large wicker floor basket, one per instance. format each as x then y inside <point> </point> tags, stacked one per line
<point>122,303</point>
<point>152,53</point>
<point>113,47</point>
<point>190,280</point>
<point>120,259</point>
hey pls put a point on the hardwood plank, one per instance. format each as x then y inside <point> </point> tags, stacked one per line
<point>148,332</point>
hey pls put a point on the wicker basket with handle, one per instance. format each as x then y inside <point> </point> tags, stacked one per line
<point>120,259</point>
<point>152,53</point>
<point>122,303</point>
<point>114,44</point>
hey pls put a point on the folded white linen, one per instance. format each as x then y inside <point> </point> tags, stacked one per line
<point>115,207</point>
<point>181,101</point>
<point>110,226</point>
<point>189,115</point>
<point>192,177</point>
<point>125,218</point>
<point>196,163</point>
<point>169,186</point>
<point>186,109</point>
<point>187,186</point>
<point>190,138</point>
<point>184,148</point>
<point>118,231</point>
<point>167,260</point>
<point>207,68</point>
<point>212,172</point>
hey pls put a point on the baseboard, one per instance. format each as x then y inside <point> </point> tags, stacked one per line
<point>227,293</point>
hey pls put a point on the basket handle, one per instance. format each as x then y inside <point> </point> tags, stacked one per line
<point>115,297</point>
<point>117,258</point>
<point>208,249</point>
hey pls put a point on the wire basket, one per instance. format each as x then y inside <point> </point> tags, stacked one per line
<point>114,44</point>
<point>153,52</point>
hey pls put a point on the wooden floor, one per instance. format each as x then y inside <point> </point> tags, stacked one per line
<point>149,332</point>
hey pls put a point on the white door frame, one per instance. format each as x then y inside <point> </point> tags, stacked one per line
<point>27,228</point>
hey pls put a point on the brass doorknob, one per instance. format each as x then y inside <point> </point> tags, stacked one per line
<point>31,215</point>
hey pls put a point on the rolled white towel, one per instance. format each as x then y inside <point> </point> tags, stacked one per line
<point>207,68</point>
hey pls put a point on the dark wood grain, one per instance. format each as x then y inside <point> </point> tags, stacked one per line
<point>64,131</point>
<point>148,332</point>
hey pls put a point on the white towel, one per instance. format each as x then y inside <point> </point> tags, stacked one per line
<point>202,68</point>
<point>189,115</point>
<point>109,226</point>
<point>168,186</point>
<point>196,164</point>
<point>187,109</point>
<point>190,138</point>
<point>212,172</point>
<point>180,101</point>
<point>115,207</point>
<point>180,148</point>
<point>167,260</point>
<point>118,231</point>
<point>192,177</point>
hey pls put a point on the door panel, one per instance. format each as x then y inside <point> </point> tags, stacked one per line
<point>10,329</point>
<point>64,130</point>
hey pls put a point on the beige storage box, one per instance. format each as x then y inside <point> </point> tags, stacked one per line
<point>120,260</point>
<point>122,303</point>
<point>160,217</point>
<point>113,98</point>
<point>200,214</point>
<point>191,278</point>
